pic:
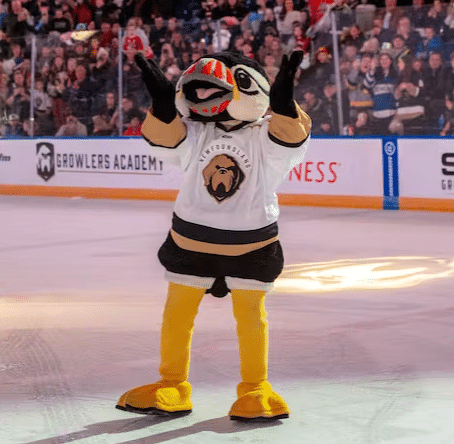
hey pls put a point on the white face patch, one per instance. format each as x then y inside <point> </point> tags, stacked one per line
<point>254,90</point>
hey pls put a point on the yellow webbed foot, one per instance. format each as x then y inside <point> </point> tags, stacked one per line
<point>258,402</point>
<point>167,398</point>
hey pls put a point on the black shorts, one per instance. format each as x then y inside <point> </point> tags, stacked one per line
<point>264,264</point>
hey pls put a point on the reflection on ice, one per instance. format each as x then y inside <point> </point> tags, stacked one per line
<point>362,274</point>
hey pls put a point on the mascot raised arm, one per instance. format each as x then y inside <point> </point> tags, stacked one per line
<point>224,234</point>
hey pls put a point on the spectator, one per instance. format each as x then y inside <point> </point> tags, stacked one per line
<point>391,15</point>
<point>434,89</point>
<point>32,128</point>
<point>298,40</point>
<point>360,98</point>
<point>103,74</point>
<point>314,105</point>
<point>265,49</point>
<point>14,128</point>
<point>268,22</point>
<point>436,16</point>
<point>3,15</point>
<point>43,23</point>
<point>18,99</point>
<point>270,68</point>
<point>129,110</point>
<point>204,32</point>
<point>398,48</point>
<point>234,9</point>
<point>179,43</point>
<point>108,108</point>
<point>80,96</point>
<point>4,46</point>
<point>157,35</point>
<point>60,51</point>
<point>79,52</point>
<point>4,87</point>
<point>101,127</point>
<point>134,127</point>
<point>43,109</point>
<point>381,81</point>
<point>322,70</point>
<point>449,75</point>
<point>286,18</point>
<point>448,116</point>
<point>107,36</point>
<point>172,25</point>
<point>67,13</point>
<point>59,22</point>
<point>409,95</point>
<point>100,12</point>
<point>361,126</point>
<point>172,73</point>
<point>71,69</point>
<point>379,32</point>
<point>9,65</point>
<point>410,36</point>
<point>353,36</point>
<point>255,17</point>
<point>81,12</point>
<point>418,14</point>
<point>209,11</point>
<point>44,58</point>
<point>19,22</point>
<point>141,32</point>
<point>331,121</point>
<point>72,127</point>
<point>350,53</point>
<point>429,44</point>
<point>247,50</point>
<point>131,38</point>
<point>55,88</point>
<point>221,38</point>
<point>277,51</point>
<point>57,65</point>
<point>132,78</point>
<point>167,56</point>
<point>371,46</point>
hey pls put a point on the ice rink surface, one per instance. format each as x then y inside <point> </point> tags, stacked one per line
<point>361,328</point>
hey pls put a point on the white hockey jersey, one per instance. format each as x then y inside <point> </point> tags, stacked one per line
<point>230,177</point>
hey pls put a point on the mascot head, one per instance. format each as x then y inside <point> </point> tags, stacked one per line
<point>223,87</point>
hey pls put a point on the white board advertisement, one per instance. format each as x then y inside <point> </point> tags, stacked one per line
<point>338,167</point>
<point>426,168</point>
<point>105,163</point>
<point>331,167</point>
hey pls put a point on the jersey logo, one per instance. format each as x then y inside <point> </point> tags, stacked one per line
<point>222,177</point>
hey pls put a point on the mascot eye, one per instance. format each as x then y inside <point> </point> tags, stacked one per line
<point>244,82</point>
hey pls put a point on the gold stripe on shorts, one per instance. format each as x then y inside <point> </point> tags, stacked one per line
<point>222,249</point>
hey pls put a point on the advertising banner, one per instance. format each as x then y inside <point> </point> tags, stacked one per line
<point>426,168</point>
<point>105,163</point>
<point>338,167</point>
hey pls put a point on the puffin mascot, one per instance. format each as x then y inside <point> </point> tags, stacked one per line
<point>235,138</point>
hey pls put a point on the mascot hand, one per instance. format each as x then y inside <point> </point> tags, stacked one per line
<point>281,93</point>
<point>161,90</point>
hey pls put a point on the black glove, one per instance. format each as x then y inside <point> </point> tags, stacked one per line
<point>161,90</point>
<point>281,92</point>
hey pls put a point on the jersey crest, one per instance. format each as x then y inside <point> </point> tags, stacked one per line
<point>222,177</point>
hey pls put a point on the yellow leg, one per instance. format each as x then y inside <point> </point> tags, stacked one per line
<point>180,311</point>
<point>172,394</point>
<point>256,398</point>
<point>252,329</point>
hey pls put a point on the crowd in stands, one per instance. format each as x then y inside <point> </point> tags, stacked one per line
<point>395,68</point>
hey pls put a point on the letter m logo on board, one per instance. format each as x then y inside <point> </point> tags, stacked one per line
<point>45,163</point>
